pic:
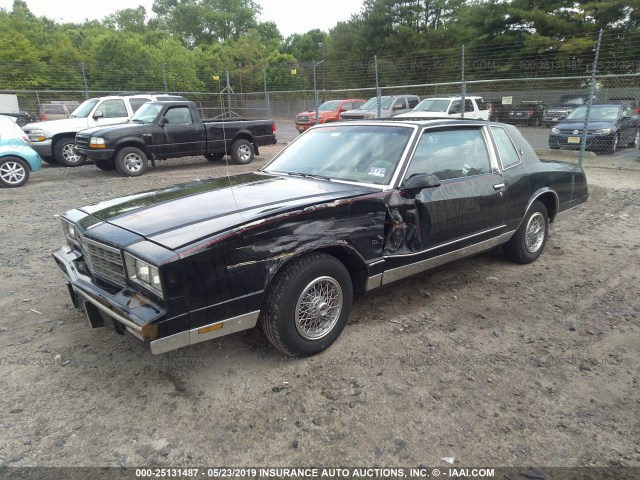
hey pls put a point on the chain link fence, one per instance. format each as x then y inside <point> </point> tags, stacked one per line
<point>532,83</point>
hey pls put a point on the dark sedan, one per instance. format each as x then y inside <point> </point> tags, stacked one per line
<point>527,113</point>
<point>343,210</point>
<point>610,127</point>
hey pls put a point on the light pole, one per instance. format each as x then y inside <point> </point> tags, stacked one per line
<point>324,55</point>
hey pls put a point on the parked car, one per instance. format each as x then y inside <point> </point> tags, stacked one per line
<point>10,106</point>
<point>449,107</point>
<point>327,112</point>
<point>160,130</point>
<point>17,158</point>
<point>559,110</point>
<point>344,209</point>
<point>389,106</point>
<point>57,110</point>
<point>611,126</point>
<point>526,113</point>
<point>54,140</point>
<point>498,112</point>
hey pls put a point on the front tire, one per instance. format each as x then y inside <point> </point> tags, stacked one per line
<point>307,305</point>
<point>131,161</point>
<point>242,152</point>
<point>636,140</point>
<point>14,172</point>
<point>527,243</point>
<point>64,153</point>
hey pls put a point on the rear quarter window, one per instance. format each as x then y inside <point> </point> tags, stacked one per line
<point>509,155</point>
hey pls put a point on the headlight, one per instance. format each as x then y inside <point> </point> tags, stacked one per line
<point>69,230</point>
<point>601,131</point>
<point>37,135</point>
<point>143,273</point>
<point>555,130</point>
<point>97,142</point>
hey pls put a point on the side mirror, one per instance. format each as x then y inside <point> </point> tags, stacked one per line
<point>420,182</point>
<point>163,121</point>
<point>342,109</point>
<point>98,114</point>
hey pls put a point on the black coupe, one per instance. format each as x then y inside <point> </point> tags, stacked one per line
<point>343,210</point>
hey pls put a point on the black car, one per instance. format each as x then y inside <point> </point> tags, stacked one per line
<point>526,113</point>
<point>611,126</point>
<point>344,209</point>
<point>563,107</point>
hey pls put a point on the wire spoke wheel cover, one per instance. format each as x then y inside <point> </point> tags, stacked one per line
<point>318,308</point>
<point>12,173</point>
<point>535,232</point>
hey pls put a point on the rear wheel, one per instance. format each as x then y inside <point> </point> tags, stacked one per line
<point>14,172</point>
<point>106,165</point>
<point>214,157</point>
<point>615,143</point>
<point>131,161</point>
<point>65,155</point>
<point>527,243</point>
<point>242,151</point>
<point>308,305</point>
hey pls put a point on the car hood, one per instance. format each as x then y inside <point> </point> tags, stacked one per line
<point>580,125</point>
<point>183,214</point>
<point>313,112</point>
<point>62,125</point>
<point>117,129</point>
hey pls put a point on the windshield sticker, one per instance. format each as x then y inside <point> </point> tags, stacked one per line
<point>377,171</point>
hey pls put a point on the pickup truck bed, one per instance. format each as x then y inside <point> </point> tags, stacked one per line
<point>161,130</point>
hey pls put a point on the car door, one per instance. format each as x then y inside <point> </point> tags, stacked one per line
<point>182,136</point>
<point>109,112</point>
<point>466,208</point>
<point>628,125</point>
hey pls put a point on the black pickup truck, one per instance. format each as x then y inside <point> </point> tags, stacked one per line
<point>160,130</point>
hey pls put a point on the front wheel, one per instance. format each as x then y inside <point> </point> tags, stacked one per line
<point>242,151</point>
<point>615,143</point>
<point>14,172</point>
<point>636,140</point>
<point>131,161</point>
<point>65,155</point>
<point>527,243</point>
<point>308,305</point>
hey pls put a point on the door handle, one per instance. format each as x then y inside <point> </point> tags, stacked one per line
<point>498,186</point>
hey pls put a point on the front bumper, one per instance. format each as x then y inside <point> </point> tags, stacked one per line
<point>573,142</point>
<point>95,155</point>
<point>126,311</point>
<point>44,148</point>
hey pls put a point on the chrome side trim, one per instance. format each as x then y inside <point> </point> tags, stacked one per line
<point>408,270</point>
<point>413,254</point>
<point>111,313</point>
<point>374,281</point>
<point>535,197</point>
<point>189,337</point>
<point>172,342</point>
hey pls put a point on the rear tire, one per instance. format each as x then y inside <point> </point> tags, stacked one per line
<point>131,161</point>
<point>527,243</point>
<point>242,152</point>
<point>14,172</point>
<point>307,305</point>
<point>65,155</point>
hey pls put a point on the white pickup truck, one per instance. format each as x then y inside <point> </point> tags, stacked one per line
<point>449,107</point>
<point>54,140</point>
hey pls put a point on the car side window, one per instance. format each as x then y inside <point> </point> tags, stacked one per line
<point>413,101</point>
<point>448,154</point>
<point>509,156</point>
<point>347,105</point>
<point>113,109</point>
<point>482,105</point>
<point>179,116</point>
<point>401,103</point>
<point>468,106</point>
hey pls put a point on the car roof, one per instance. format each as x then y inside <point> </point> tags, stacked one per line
<point>417,121</point>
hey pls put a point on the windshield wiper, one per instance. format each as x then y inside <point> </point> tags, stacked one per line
<point>308,175</point>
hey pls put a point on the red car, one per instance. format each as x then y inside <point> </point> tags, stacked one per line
<point>329,111</point>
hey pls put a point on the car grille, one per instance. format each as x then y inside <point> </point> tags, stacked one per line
<point>82,140</point>
<point>104,262</point>
<point>303,119</point>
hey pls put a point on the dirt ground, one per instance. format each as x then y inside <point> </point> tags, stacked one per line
<point>489,362</point>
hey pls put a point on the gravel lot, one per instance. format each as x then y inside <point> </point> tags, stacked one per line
<point>486,361</point>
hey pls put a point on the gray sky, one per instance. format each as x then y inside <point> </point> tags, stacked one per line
<point>291,16</point>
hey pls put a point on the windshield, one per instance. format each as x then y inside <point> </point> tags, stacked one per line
<point>84,109</point>
<point>565,100</point>
<point>147,113</point>
<point>372,103</point>
<point>329,106</point>
<point>599,113</point>
<point>432,105</point>
<point>363,154</point>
